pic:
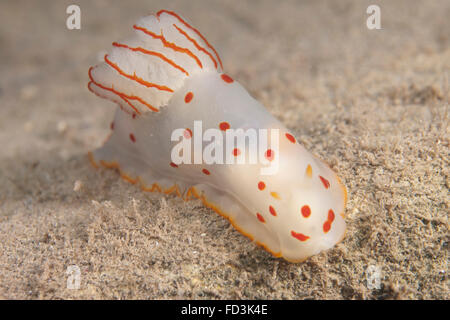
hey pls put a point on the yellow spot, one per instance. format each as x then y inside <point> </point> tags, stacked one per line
<point>275,195</point>
<point>309,171</point>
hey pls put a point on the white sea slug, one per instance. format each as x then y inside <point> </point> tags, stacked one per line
<point>168,76</point>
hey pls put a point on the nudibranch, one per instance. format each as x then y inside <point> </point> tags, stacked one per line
<point>167,77</point>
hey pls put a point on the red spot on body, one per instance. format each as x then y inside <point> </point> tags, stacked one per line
<point>224,126</point>
<point>173,165</point>
<point>260,217</point>
<point>290,137</point>
<point>306,211</point>
<point>205,171</point>
<point>187,133</point>
<point>331,215</point>
<point>270,154</point>
<point>299,236</point>
<point>188,97</point>
<point>227,78</point>
<point>236,152</point>
<point>272,211</point>
<point>325,182</point>
<point>112,125</point>
<point>134,116</point>
<point>327,224</point>
<point>261,185</point>
<point>132,137</point>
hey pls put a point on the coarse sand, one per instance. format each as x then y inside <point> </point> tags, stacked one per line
<point>372,103</point>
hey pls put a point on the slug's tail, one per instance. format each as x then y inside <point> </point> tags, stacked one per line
<point>141,73</point>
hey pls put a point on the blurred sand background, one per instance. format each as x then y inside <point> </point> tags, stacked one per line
<point>372,103</point>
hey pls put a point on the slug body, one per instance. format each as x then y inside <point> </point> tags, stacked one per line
<point>168,78</point>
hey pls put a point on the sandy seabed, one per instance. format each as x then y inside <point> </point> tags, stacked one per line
<point>372,103</point>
